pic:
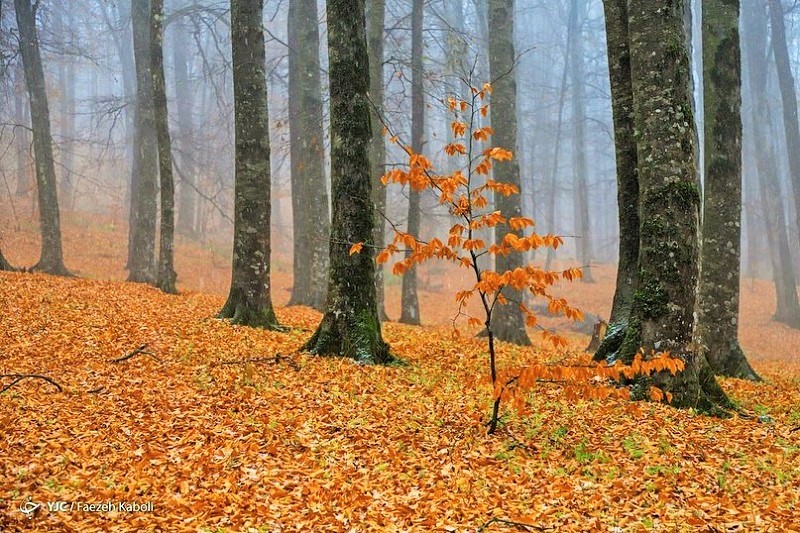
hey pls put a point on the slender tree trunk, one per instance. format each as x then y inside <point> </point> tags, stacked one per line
<point>310,216</point>
<point>249,301</point>
<point>51,258</point>
<point>376,12</point>
<point>184,101</point>
<point>755,38</point>
<point>508,321</point>
<point>722,200</point>
<point>579,167</point>
<point>619,66</point>
<point>22,140</point>
<point>409,313</point>
<point>350,325</point>
<point>663,311</point>
<point>789,99</point>
<point>165,278</point>
<point>66,78</point>
<point>142,265</point>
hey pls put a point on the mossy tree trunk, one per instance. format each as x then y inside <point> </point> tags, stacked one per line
<point>409,312</point>
<point>144,206</point>
<point>788,98</point>
<point>165,276</point>
<point>580,170</point>
<point>619,66</point>
<point>755,36</point>
<point>311,221</point>
<point>350,325</point>
<point>508,322</point>
<point>51,259</point>
<point>662,316</point>
<point>376,14</point>
<point>249,302</point>
<point>722,199</point>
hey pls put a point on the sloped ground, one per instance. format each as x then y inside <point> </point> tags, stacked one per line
<point>300,443</point>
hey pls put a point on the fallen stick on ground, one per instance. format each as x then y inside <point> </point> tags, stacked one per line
<point>19,377</point>
<point>140,350</point>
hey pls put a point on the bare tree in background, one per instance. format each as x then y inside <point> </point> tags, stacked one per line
<point>165,275</point>
<point>51,258</point>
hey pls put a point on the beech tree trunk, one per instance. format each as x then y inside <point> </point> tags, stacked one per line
<point>22,141</point>
<point>184,101</point>
<point>376,13</point>
<point>350,325</point>
<point>619,67</point>
<point>755,36</point>
<point>310,217</point>
<point>249,301</point>
<point>409,313</point>
<point>144,212</point>
<point>165,277</point>
<point>51,257</point>
<point>722,199</point>
<point>508,321</point>
<point>662,317</point>
<point>66,79</point>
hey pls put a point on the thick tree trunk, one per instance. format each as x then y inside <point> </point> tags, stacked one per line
<point>755,37</point>
<point>579,168</point>
<point>788,98</point>
<point>508,321</point>
<point>663,311</point>
<point>376,12</point>
<point>22,141</point>
<point>165,277</point>
<point>350,326</point>
<point>718,325</point>
<point>307,152</point>
<point>409,313</point>
<point>51,258</point>
<point>144,212</point>
<point>619,66</point>
<point>184,101</point>
<point>249,301</point>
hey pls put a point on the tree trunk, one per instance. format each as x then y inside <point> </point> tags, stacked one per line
<point>755,38</point>
<point>376,12</point>
<point>5,266</point>
<point>307,152</point>
<point>619,67</point>
<point>350,326</point>
<point>409,313</point>
<point>508,321</point>
<point>51,258</point>
<point>662,317</point>
<point>579,168</point>
<point>788,98</point>
<point>165,279</point>
<point>718,324</point>
<point>249,301</point>
<point>144,211</point>
<point>184,101</point>
<point>66,81</point>
<point>22,141</point>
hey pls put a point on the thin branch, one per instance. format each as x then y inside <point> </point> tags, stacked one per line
<point>19,377</point>
<point>140,350</point>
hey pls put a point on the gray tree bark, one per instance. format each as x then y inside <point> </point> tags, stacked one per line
<point>249,301</point>
<point>409,313</point>
<point>22,141</point>
<point>619,66</point>
<point>662,317</point>
<point>310,216</point>
<point>376,13</point>
<point>144,209</point>
<point>184,102</point>
<point>350,325</point>
<point>66,80</point>
<point>508,321</point>
<point>51,258</point>
<point>722,199</point>
<point>165,276</point>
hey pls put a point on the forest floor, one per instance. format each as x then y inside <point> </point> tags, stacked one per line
<point>298,443</point>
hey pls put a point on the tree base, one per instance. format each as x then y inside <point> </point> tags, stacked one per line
<point>54,268</point>
<point>734,365</point>
<point>609,347</point>
<point>356,338</point>
<point>240,312</point>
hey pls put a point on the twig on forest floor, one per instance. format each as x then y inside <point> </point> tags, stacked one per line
<point>19,377</point>
<point>274,360</point>
<point>140,350</point>
<point>527,527</point>
<point>95,391</point>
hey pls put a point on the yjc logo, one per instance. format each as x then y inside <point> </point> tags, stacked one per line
<point>29,508</point>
